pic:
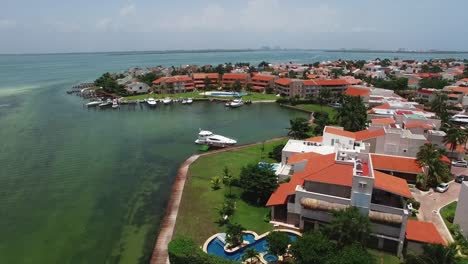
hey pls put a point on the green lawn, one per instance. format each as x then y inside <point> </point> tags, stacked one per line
<point>197,213</point>
<point>384,258</point>
<point>447,211</point>
<point>250,96</point>
<point>316,108</point>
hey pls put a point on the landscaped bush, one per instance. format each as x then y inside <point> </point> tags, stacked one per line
<point>276,152</point>
<point>184,251</point>
<point>415,203</point>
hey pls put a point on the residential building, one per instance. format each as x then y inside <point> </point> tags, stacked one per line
<point>137,87</point>
<point>180,84</point>
<point>262,82</point>
<point>461,214</point>
<point>312,87</point>
<point>230,78</point>
<point>322,184</point>
<point>289,87</point>
<point>426,94</point>
<point>199,80</point>
<point>419,233</point>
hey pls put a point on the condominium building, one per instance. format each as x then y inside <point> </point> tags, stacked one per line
<point>180,83</point>
<point>200,79</point>
<point>230,78</point>
<point>261,82</point>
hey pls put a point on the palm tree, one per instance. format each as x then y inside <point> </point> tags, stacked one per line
<point>324,95</point>
<point>250,254</point>
<point>454,137</point>
<point>430,156</point>
<point>299,128</point>
<point>435,254</point>
<point>439,106</point>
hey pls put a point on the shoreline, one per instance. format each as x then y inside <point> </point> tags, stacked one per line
<point>166,230</point>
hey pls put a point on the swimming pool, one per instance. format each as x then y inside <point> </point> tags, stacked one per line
<point>216,247</point>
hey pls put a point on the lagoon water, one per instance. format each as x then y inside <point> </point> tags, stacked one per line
<point>87,186</point>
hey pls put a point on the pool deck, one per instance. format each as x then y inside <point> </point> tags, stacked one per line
<point>160,254</point>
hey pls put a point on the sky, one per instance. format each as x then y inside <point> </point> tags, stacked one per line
<point>50,26</point>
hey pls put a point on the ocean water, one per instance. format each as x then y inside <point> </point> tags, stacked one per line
<point>87,186</point>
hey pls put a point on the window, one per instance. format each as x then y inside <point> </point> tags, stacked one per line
<point>333,142</point>
<point>362,186</point>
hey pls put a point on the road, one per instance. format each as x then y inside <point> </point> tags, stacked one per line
<point>432,202</point>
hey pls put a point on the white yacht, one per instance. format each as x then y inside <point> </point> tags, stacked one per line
<point>460,119</point>
<point>151,101</point>
<point>167,101</point>
<point>107,103</point>
<point>94,103</point>
<point>115,104</point>
<point>184,101</point>
<point>189,101</point>
<point>236,103</point>
<point>208,138</point>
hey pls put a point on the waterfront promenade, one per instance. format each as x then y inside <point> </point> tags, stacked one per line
<point>160,254</point>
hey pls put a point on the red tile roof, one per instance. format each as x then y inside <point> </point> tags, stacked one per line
<point>324,169</point>
<point>391,184</point>
<point>395,163</point>
<point>453,95</point>
<point>354,91</point>
<point>459,148</point>
<point>383,121</point>
<point>459,89</point>
<point>204,75</point>
<point>283,81</point>
<point>317,139</point>
<point>421,125</point>
<point>425,91</point>
<point>261,77</point>
<point>424,232</point>
<point>332,82</point>
<point>359,135</point>
<point>173,79</point>
<point>383,106</point>
<point>237,76</point>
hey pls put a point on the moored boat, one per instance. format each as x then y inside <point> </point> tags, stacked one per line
<point>151,101</point>
<point>189,101</point>
<point>94,103</point>
<point>167,101</point>
<point>115,104</point>
<point>106,103</point>
<point>206,137</point>
<point>235,103</point>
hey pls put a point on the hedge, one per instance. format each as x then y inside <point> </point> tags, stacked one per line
<point>183,250</point>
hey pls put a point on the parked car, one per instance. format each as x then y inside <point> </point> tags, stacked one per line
<point>461,178</point>
<point>460,163</point>
<point>443,187</point>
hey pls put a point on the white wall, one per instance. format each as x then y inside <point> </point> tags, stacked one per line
<point>461,214</point>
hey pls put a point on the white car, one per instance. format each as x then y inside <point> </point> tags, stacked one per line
<point>460,163</point>
<point>443,187</point>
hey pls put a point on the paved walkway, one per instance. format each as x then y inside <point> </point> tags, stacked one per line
<point>432,202</point>
<point>160,254</point>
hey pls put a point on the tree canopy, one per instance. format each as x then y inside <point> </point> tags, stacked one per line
<point>352,115</point>
<point>277,243</point>
<point>437,83</point>
<point>348,227</point>
<point>312,248</point>
<point>299,127</point>
<point>276,152</point>
<point>430,155</point>
<point>234,234</point>
<point>435,254</point>
<point>108,84</point>
<point>258,183</point>
<point>148,78</point>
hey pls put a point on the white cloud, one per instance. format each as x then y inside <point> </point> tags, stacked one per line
<point>128,10</point>
<point>103,24</point>
<point>7,23</point>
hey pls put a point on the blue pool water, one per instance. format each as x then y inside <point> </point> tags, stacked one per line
<point>216,247</point>
<point>271,258</point>
<point>249,237</point>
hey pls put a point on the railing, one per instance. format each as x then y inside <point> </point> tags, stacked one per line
<point>387,209</point>
<point>302,193</point>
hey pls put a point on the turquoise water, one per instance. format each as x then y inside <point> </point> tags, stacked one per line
<point>86,186</point>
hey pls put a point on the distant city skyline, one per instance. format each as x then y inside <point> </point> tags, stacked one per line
<point>52,26</point>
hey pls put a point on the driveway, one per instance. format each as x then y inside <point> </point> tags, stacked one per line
<point>432,202</point>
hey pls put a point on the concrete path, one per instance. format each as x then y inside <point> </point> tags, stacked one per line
<point>432,202</point>
<point>160,254</point>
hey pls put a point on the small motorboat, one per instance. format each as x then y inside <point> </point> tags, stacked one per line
<point>184,101</point>
<point>167,101</point>
<point>94,103</point>
<point>115,104</point>
<point>236,103</point>
<point>206,137</point>
<point>107,103</point>
<point>189,101</point>
<point>151,102</point>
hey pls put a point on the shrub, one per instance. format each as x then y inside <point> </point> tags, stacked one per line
<point>183,251</point>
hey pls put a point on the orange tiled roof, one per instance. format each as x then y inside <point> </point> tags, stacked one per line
<point>459,89</point>
<point>459,148</point>
<point>331,82</point>
<point>395,163</point>
<point>391,184</point>
<point>238,76</point>
<point>453,95</point>
<point>421,125</point>
<point>424,232</point>
<point>281,194</point>
<point>204,75</point>
<point>383,121</point>
<point>173,79</point>
<point>317,139</point>
<point>359,135</point>
<point>283,81</point>
<point>383,106</point>
<point>261,77</point>
<point>354,91</point>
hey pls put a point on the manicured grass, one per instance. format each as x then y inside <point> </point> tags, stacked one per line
<point>447,211</point>
<point>316,108</point>
<point>384,257</point>
<point>198,215</point>
<point>250,96</point>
